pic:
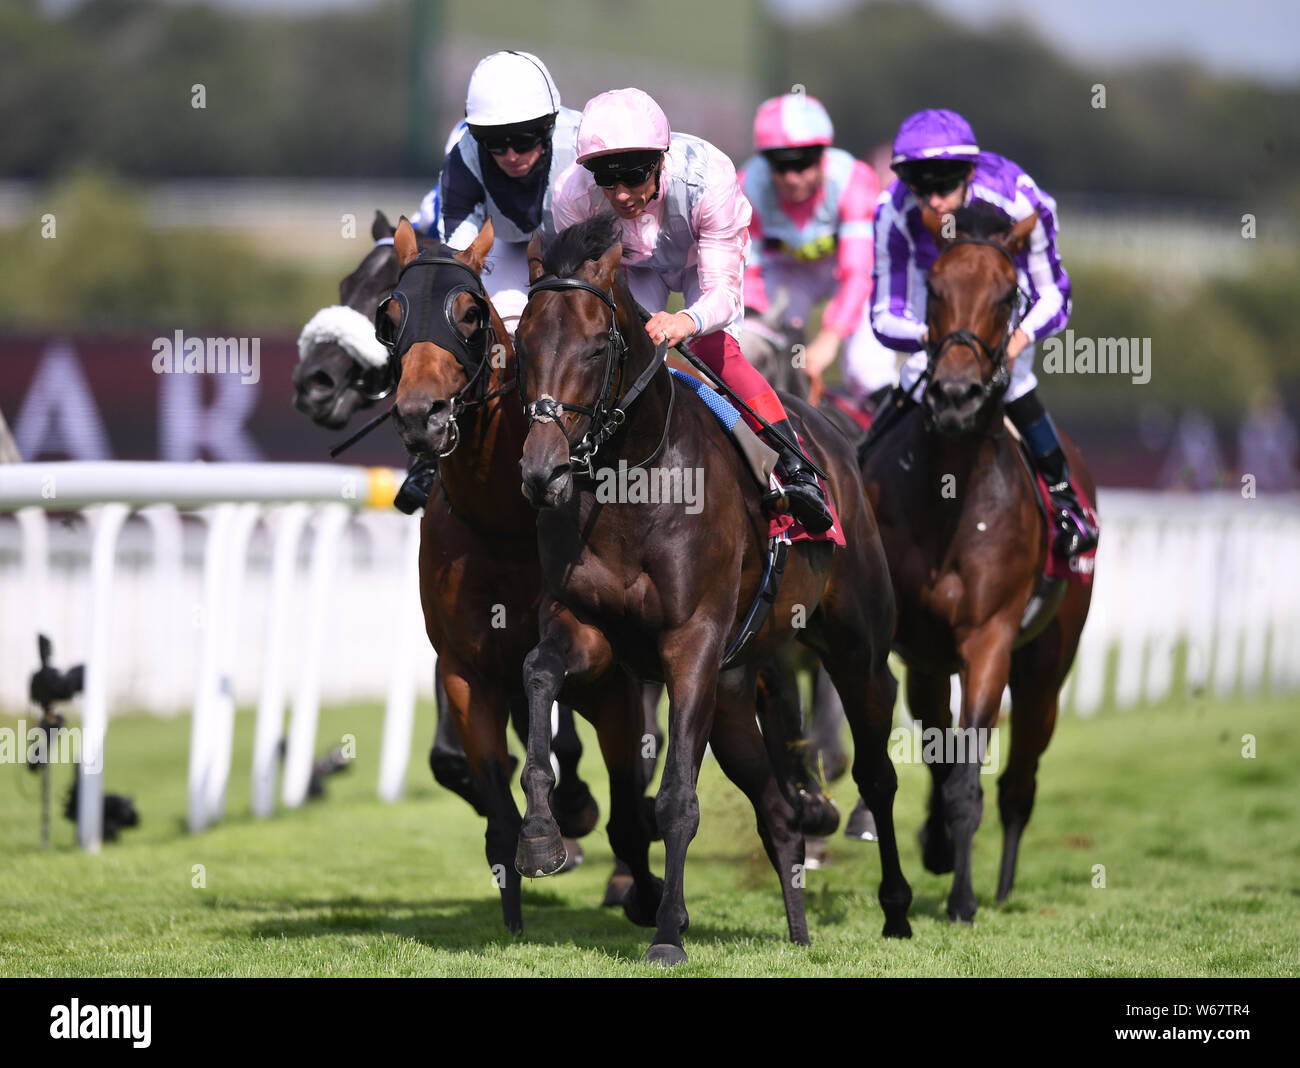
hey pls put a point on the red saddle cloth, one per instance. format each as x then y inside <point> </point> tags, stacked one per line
<point>1077,569</point>
<point>860,416</point>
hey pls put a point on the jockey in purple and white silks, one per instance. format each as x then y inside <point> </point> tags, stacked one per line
<point>939,163</point>
<point>518,138</point>
<point>812,236</point>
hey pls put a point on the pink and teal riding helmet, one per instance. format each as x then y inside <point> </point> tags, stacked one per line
<point>791,131</point>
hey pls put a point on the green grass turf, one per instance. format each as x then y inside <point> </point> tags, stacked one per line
<point>1201,848</point>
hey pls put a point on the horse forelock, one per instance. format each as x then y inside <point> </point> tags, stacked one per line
<point>578,244</point>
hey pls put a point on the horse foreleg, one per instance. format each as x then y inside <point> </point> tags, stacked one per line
<point>1036,676</point>
<point>986,659</point>
<point>782,721</point>
<point>928,700</point>
<point>480,714</point>
<point>690,662</point>
<point>575,809</point>
<point>619,724</point>
<point>869,705</point>
<point>743,757</point>
<point>568,649</point>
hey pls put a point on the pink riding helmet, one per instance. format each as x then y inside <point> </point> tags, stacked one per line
<point>795,120</point>
<point>622,120</point>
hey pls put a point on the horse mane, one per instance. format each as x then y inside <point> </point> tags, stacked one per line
<point>981,220</point>
<point>576,244</point>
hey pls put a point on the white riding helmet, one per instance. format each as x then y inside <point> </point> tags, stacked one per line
<point>508,88</point>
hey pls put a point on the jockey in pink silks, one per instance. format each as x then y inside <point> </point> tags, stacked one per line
<point>684,224</point>
<point>812,234</point>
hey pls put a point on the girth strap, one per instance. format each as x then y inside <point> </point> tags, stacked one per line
<point>778,549</point>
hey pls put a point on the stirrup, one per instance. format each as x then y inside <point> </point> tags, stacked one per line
<point>801,496</point>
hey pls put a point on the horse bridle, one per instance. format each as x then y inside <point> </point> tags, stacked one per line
<point>471,353</point>
<point>997,355</point>
<point>603,420</point>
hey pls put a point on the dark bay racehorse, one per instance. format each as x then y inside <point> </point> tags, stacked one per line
<point>331,382</point>
<point>662,591</point>
<point>961,526</point>
<point>480,579</point>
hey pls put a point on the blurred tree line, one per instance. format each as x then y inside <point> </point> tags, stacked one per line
<point>324,94</point>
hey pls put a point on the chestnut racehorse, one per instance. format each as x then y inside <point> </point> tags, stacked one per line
<point>661,591</point>
<point>961,525</point>
<point>332,381</point>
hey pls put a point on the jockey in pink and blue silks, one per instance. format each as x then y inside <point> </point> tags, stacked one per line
<point>684,224</point>
<point>812,236</point>
<point>939,164</point>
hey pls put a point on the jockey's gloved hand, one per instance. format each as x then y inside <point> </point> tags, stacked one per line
<point>414,492</point>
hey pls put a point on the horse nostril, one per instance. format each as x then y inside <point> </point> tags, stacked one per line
<point>438,407</point>
<point>973,392</point>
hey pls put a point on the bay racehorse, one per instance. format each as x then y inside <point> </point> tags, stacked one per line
<point>342,369</point>
<point>966,543</point>
<point>480,579</point>
<point>661,591</point>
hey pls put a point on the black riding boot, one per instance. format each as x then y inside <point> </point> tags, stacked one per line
<point>1074,533</point>
<point>414,492</point>
<point>801,493</point>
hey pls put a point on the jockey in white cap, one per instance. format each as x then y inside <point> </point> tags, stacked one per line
<point>813,210</point>
<point>684,222</point>
<point>517,139</point>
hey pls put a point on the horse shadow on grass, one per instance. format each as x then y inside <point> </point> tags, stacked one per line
<point>472,926</point>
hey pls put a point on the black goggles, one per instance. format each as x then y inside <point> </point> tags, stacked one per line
<point>785,160</point>
<point>622,171</point>
<point>925,182</point>
<point>500,144</point>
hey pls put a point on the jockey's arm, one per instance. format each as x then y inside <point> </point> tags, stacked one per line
<point>721,223</point>
<point>462,203</point>
<point>1049,285</point>
<point>892,320</point>
<point>855,258</point>
<point>754,287</point>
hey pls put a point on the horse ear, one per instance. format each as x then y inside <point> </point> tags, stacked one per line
<point>404,242</point>
<point>477,253</point>
<point>608,264</point>
<point>535,268</point>
<point>381,227</point>
<point>933,222</point>
<point>1019,234</point>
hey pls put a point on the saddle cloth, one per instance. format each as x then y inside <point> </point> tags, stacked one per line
<point>780,525</point>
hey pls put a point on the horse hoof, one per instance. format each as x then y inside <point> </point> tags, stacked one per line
<point>575,856</point>
<point>617,886</point>
<point>539,857</point>
<point>816,854</point>
<point>962,911</point>
<point>577,813</point>
<point>819,816</point>
<point>899,928</point>
<point>862,824</point>
<point>936,851</point>
<point>665,955</point>
<point>643,913</point>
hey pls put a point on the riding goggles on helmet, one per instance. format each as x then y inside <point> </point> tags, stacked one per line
<point>631,169</point>
<point>500,140</point>
<point>785,160</point>
<point>928,177</point>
